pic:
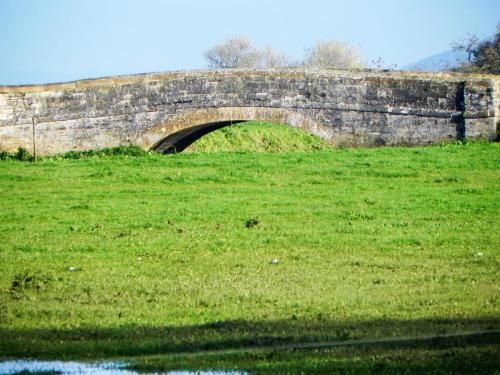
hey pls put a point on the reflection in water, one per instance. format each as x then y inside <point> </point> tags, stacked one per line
<point>107,368</point>
<point>60,367</point>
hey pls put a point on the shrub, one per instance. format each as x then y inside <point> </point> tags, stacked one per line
<point>21,154</point>
<point>108,151</point>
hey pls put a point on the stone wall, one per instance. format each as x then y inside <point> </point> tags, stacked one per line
<point>345,108</point>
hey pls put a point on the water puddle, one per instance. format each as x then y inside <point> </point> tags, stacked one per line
<point>107,368</point>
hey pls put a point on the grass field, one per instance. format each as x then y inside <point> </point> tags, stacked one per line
<point>113,256</point>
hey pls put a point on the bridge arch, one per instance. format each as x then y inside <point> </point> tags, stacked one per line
<point>181,130</point>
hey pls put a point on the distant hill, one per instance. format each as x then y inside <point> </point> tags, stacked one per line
<point>440,62</point>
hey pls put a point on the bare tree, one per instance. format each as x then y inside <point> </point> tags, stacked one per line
<point>333,54</point>
<point>236,52</point>
<point>468,44</point>
<point>380,64</point>
<point>271,58</point>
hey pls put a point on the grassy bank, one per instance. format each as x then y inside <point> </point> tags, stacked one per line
<point>137,255</point>
<point>258,137</point>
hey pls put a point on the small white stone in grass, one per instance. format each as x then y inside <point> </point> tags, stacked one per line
<point>72,269</point>
<point>479,254</point>
<point>275,261</point>
<point>139,259</point>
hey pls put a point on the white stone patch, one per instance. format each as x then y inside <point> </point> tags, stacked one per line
<point>6,111</point>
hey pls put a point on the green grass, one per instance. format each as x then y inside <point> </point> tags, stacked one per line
<point>174,253</point>
<point>258,137</point>
<point>447,357</point>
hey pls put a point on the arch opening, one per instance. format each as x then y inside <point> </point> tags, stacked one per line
<point>180,140</point>
<point>181,130</point>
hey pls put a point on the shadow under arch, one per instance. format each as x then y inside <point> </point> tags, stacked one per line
<point>182,129</point>
<point>180,140</point>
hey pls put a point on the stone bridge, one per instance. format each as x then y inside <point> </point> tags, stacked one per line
<point>168,111</point>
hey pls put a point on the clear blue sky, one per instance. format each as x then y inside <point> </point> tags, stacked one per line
<point>60,40</point>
